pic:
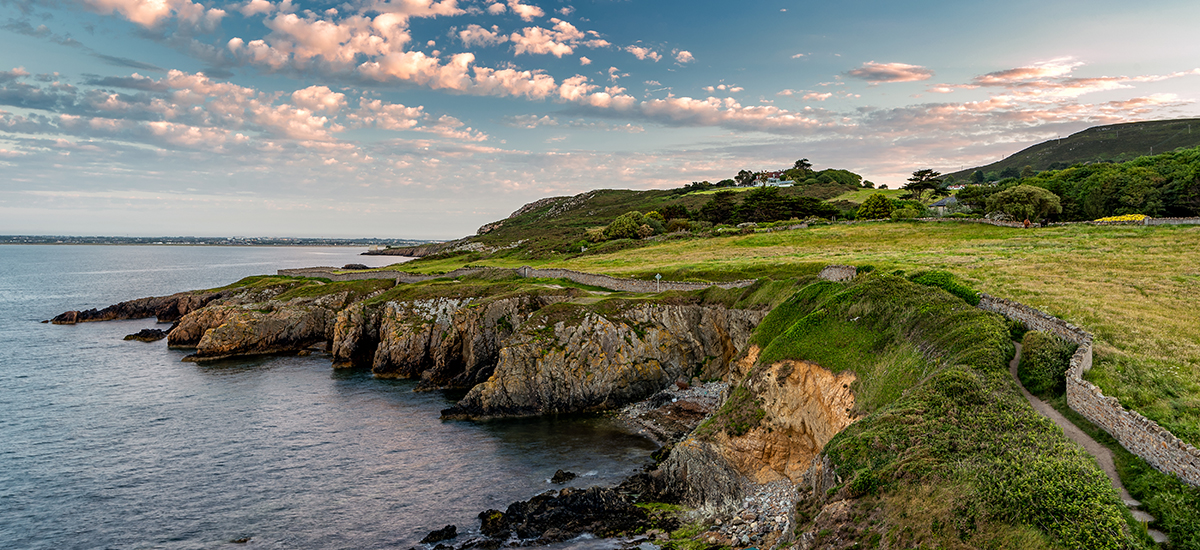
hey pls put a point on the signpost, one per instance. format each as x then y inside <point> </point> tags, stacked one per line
<point>658,282</point>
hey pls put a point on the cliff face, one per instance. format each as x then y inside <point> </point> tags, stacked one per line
<point>804,406</point>
<point>605,361</point>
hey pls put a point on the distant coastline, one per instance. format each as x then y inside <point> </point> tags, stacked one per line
<point>207,241</point>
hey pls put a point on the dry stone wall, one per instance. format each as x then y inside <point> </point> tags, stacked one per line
<point>1138,434</point>
<point>591,279</point>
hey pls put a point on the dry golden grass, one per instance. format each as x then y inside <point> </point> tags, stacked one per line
<point>1136,288</point>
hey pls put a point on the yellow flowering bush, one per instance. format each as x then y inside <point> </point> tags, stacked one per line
<point>1124,218</point>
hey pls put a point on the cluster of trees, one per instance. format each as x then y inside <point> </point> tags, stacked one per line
<point>765,204</point>
<point>1166,185</point>
<point>801,173</point>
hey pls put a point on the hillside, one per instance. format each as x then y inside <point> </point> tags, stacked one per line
<point>1109,143</point>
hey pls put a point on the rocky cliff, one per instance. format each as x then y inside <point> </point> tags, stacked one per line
<point>594,361</point>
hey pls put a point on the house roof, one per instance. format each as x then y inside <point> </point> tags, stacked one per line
<point>948,201</point>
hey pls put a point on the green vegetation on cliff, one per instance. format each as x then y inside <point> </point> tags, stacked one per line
<point>943,418</point>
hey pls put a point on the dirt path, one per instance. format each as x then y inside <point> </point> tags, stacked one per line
<point>1103,455</point>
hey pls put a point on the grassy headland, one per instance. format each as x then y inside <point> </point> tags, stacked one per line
<point>1134,287</point>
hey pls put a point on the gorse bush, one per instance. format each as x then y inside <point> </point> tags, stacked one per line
<point>1044,361</point>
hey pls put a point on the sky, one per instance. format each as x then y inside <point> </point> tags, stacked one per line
<point>427,119</point>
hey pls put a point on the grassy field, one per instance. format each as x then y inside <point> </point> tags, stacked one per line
<point>861,195</point>
<point>1134,287</point>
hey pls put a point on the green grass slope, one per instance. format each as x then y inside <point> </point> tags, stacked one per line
<point>950,454</point>
<point>1111,143</point>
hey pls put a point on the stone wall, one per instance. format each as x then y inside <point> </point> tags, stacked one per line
<point>624,285</point>
<point>838,273</point>
<point>1138,434</point>
<point>591,279</point>
<point>1172,221</point>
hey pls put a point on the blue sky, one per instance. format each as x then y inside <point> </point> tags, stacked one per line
<point>425,119</point>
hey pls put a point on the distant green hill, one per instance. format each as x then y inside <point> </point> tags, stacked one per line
<point>1110,143</point>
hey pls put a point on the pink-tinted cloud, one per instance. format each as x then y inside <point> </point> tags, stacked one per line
<point>319,99</point>
<point>1053,68</point>
<point>150,13</point>
<point>684,56</point>
<point>890,72</point>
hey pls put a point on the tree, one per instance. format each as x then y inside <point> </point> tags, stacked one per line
<point>921,181</point>
<point>744,178</point>
<point>977,177</point>
<point>1025,202</point>
<point>876,207</point>
<point>1027,172</point>
<point>1010,172</point>
<point>803,165</point>
<point>868,184</point>
<point>719,209</point>
<point>673,211</point>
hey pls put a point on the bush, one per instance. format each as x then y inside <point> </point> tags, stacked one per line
<point>876,207</point>
<point>1044,362</point>
<point>906,213</point>
<point>678,224</point>
<point>625,226</point>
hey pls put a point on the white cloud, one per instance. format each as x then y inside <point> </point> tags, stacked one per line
<point>253,7</point>
<point>643,53</point>
<point>684,56</point>
<point>584,61</point>
<point>475,35</point>
<point>525,11</point>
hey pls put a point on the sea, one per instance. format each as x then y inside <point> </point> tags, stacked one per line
<point>114,444</point>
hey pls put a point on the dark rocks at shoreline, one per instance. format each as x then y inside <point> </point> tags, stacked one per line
<point>562,476</point>
<point>445,533</point>
<point>419,251</point>
<point>355,266</point>
<point>165,308</point>
<point>556,516</point>
<point>147,335</point>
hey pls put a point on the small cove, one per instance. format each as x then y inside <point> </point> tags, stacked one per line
<point>108,443</point>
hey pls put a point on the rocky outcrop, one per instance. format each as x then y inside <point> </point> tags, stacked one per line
<point>166,309</point>
<point>259,328</point>
<point>191,328</point>
<point>698,475</point>
<point>147,335</point>
<point>254,332</point>
<point>599,362</point>
<point>805,405</point>
<point>557,516</point>
<point>444,342</point>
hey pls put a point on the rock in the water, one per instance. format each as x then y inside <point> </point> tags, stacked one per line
<point>445,533</point>
<point>556,516</point>
<point>148,335</point>
<point>355,266</point>
<point>562,476</point>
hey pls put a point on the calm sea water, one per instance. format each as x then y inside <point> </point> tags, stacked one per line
<point>112,444</point>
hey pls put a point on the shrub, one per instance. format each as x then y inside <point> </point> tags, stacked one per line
<point>906,213</point>
<point>876,207</point>
<point>1044,362</point>
<point>678,224</point>
<point>625,226</point>
<point>654,215</point>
